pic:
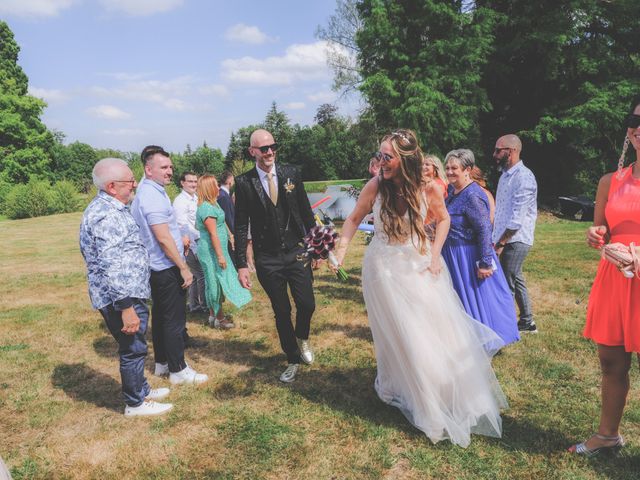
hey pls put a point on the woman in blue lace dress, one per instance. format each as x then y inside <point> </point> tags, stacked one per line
<point>475,270</point>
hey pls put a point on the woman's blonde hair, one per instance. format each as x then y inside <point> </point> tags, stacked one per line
<point>437,167</point>
<point>404,144</point>
<point>207,189</point>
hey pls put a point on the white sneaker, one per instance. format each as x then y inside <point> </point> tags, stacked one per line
<point>161,370</point>
<point>306,354</point>
<point>147,408</point>
<point>187,376</point>
<point>158,393</point>
<point>289,375</point>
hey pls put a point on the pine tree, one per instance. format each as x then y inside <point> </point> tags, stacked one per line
<point>25,142</point>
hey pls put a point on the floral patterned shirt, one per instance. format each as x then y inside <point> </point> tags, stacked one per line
<point>117,261</point>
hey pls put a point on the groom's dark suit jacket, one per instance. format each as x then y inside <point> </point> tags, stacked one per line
<point>272,227</point>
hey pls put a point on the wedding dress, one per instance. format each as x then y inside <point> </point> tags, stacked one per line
<point>434,361</point>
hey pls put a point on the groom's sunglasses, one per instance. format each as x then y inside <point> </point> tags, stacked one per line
<point>632,121</point>
<point>265,149</point>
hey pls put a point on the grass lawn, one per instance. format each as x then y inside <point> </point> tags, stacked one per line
<point>320,186</point>
<point>61,413</point>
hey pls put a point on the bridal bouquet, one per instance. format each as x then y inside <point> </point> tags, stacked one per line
<point>319,244</point>
<point>623,257</point>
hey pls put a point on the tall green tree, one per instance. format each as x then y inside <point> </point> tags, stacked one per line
<point>421,64</point>
<point>561,74</point>
<point>203,159</point>
<point>74,162</point>
<point>342,49</point>
<point>25,142</point>
<point>238,158</point>
<point>277,122</point>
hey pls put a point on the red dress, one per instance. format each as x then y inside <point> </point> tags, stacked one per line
<point>440,182</point>
<point>613,314</point>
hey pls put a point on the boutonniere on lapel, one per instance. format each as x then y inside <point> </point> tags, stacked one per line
<point>289,186</point>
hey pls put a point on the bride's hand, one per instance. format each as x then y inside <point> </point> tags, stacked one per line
<point>436,266</point>
<point>339,256</point>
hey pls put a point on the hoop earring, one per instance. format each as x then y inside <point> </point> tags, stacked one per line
<point>625,146</point>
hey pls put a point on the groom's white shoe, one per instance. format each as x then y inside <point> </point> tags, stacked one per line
<point>306,354</point>
<point>289,375</point>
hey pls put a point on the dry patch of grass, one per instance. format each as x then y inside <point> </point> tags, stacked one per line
<point>62,415</point>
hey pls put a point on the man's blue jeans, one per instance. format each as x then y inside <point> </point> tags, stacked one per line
<point>132,350</point>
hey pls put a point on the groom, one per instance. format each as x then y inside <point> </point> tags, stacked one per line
<point>273,201</point>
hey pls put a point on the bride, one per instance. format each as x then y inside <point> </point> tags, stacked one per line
<point>434,361</point>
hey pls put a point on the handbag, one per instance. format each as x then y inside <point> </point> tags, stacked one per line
<point>623,257</point>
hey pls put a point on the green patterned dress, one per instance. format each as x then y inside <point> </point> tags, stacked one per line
<point>219,283</point>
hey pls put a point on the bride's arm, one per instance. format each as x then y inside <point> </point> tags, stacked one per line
<point>362,208</point>
<point>438,211</point>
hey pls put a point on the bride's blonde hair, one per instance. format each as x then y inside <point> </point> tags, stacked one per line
<point>404,144</point>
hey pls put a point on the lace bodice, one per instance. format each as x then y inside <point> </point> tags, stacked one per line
<point>470,220</point>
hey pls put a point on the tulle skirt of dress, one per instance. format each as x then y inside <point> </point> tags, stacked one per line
<point>434,361</point>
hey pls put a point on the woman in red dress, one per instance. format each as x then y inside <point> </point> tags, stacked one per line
<point>432,169</point>
<point>613,314</point>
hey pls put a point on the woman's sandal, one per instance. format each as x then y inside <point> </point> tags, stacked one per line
<point>581,448</point>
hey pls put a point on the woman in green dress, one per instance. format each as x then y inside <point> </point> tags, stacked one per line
<point>220,276</point>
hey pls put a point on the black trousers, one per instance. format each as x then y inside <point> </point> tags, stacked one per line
<point>276,272</point>
<point>168,318</point>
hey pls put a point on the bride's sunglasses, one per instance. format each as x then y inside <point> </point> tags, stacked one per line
<point>383,157</point>
<point>632,121</point>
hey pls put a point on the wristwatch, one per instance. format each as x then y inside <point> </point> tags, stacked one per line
<point>500,245</point>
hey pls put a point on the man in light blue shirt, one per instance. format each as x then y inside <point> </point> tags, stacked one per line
<point>515,222</point>
<point>170,275</point>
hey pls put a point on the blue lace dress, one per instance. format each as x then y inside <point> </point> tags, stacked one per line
<point>468,247</point>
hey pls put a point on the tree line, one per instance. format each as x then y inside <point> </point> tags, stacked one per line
<point>34,158</point>
<point>559,73</point>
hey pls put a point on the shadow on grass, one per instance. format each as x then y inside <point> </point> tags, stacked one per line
<point>342,291</point>
<point>360,332</point>
<point>106,347</point>
<point>520,434</point>
<point>350,391</point>
<point>82,383</point>
<point>234,350</point>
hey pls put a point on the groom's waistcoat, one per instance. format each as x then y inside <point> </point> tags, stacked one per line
<point>283,232</point>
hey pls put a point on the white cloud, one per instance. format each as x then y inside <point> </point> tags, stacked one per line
<point>322,97</point>
<point>125,76</point>
<point>141,7</point>
<point>214,89</point>
<point>246,34</point>
<point>125,132</point>
<point>109,112</point>
<point>300,63</point>
<point>51,96</point>
<point>294,105</point>
<point>164,93</point>
<point>34,8</point>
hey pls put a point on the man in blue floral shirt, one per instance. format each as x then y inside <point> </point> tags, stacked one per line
<point>118,277</point>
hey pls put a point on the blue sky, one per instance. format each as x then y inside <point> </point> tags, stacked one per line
<point>127,73</point>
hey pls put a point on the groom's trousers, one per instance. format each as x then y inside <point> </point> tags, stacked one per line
<point>277,271</point>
